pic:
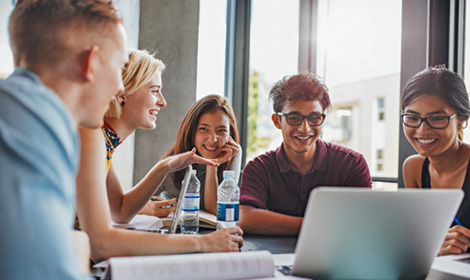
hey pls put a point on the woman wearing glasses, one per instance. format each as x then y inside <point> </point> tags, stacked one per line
<point>435,110</point>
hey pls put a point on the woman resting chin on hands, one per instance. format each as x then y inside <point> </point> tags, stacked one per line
<point>435,110</point>
<point>210,127</point>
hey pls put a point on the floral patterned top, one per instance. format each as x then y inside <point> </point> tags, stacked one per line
<point>112,141</point>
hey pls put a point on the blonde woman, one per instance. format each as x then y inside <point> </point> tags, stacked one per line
<point>99,194</point>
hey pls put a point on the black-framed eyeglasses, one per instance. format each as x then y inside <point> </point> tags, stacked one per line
<point>435,122</point>
<point>297,119</point>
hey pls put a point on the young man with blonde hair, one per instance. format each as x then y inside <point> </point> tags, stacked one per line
<point>68,57</point>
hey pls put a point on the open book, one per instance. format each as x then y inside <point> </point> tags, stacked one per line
<point>142,222</point>
<point>206,220</point>
<point>453,264</point>
<point>207,266</point>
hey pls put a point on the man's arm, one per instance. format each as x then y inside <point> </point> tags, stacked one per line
<point>254,194</point>
<point>95,218</point>
<point>82,246</point>
<point>260,221</point>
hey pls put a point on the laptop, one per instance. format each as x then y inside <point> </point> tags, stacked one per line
<point>179,204</point>
<point>354,233</point>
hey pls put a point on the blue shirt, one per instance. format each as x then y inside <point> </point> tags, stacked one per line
<point>39,150</point>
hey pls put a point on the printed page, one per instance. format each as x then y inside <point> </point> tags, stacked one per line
<point>207,220</point>
<point>217,266</point>
<point>142,222</point>
<point>453,264</point>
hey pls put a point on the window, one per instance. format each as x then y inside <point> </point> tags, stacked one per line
<point>6,57</point>
<point>356,46</point>
<point>340,126</point>
<point>379,160</point>
<point>211,47</point>
<point>274,51</point>
<point>466,76</point>
<point>381,109</point>
<point>358,56</point>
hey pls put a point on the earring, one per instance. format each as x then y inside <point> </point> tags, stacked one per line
<point>123,103</point>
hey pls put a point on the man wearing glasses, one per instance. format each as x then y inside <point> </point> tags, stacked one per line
<point>275,186</point>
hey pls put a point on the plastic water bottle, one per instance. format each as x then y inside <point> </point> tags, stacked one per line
<point>228,200</point>
<point>190,219</point>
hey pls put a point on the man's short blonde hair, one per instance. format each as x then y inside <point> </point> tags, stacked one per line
<point>139,71</point>
<point>44,33</point>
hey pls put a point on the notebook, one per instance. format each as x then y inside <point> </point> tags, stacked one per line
<point>353,233</point>
<point>179,203</point>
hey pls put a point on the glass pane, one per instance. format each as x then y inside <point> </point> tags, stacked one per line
<point>466,134</point>
<point>358,56</point>
<point>274,51</point>
<point>6,57</point>
<point>211,47</point>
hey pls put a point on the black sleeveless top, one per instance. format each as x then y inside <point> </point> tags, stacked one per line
<point>463,215</point>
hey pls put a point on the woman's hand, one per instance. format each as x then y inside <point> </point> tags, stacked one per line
<point>159,207</point>
<point>180,161</point>
<point>224,240</point>
<point>457,241</point>
<point>229,151</point>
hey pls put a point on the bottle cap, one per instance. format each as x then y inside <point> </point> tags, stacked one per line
<point>229,173</point>
<point>193,171</point>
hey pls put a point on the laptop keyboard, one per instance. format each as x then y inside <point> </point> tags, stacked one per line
<point>284,269</point>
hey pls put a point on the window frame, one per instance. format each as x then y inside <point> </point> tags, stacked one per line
<point>432,33</point>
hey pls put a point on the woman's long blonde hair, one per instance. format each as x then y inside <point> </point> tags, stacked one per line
<point>139,71</point>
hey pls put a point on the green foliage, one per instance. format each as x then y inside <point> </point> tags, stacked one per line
<point>253,141</point>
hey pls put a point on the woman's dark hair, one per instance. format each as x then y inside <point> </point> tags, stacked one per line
<point>439,81</point>
<point>188,127</point>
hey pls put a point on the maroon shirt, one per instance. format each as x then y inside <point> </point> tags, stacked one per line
<point>269,181</point>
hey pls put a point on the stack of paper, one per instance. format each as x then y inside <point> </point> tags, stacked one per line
<point>142,222</point>
<point>453,264</point>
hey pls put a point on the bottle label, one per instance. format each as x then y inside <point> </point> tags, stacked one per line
<point>191,203</point>
<point>227,212</point>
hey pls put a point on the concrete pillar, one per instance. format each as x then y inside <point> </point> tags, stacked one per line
<point>171,28</point>
<point>123,158</point>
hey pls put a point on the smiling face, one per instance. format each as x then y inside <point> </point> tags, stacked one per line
<point>141,107</point>
<point>425,140</point>
<point>107,83</point>
<point>212,133</point>
<point>300,139</point>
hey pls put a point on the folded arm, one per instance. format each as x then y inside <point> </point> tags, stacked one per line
<point>261,221</point>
